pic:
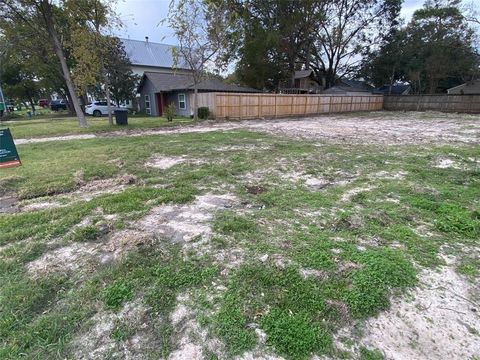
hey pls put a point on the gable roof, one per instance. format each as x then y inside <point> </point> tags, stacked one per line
<point>147,53</point>
<point>396,89</point>
<point>174,81</point>
<point>357,85</point>
<point>470,87</point>
<point>300,74</point>
<point>344,90</point>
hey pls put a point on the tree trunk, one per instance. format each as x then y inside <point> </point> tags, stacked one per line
<point>46,9</point>
<point>195,103</point>
<point>32,104</point>
<point>70,108</point>
<point>109,106</point>
<point>391,81</point>
<point>84,100</point>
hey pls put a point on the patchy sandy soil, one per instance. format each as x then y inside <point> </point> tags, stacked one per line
<point>438,320</point>
<point>349,194</point>
<point>445,163</point>
<point>188,224</point>
<point>383,127</point>
<point>164,162</point>
<point>54,138</point>
<point>387,128</point>
<point>86,191</point>
<point>8,203</point>
<point>97,341</point>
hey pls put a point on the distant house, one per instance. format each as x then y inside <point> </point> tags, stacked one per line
<point>159,89</point>
<point>147,56</point>
<point>469,88</point>
<point>349,87</point>
<point>304,82</point>
<point>398,89</point>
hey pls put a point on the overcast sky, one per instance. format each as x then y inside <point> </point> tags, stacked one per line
<point>142,17</point>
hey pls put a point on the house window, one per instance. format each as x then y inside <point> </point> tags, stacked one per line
<point>182,104</point>
<point>147,104</point>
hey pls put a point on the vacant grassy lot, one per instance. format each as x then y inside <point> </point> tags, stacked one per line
<point>255,240</point>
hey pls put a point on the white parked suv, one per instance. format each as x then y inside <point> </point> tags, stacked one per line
<point>99,108</point>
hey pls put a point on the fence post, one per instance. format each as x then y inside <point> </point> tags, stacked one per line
<point>259,106</point>
<point>275,96</point>
<point>305,108</point>
<point>241,107</point>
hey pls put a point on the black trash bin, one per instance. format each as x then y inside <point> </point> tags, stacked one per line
<point>121,117</point>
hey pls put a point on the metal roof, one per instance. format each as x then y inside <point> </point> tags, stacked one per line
<point>172,81</point>
<point>147,53</point>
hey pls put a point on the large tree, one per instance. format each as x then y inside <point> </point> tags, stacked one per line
<point>90,22</point>
<point>202,30</point>
<point>41,17</point>
<point>269,36</point>
<point>275,38</point>
<point>386,64</point>
<point>350,29</point>
<point>434,52</point>
<point>18,83</point>
<point>118,72</point>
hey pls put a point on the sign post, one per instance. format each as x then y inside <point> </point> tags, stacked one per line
<point>8,152</point>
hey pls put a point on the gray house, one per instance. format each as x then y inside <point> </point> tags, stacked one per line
<point>469,88</point>
<point>159,89</point>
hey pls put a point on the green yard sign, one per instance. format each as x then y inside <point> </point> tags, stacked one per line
<point>8,152</point>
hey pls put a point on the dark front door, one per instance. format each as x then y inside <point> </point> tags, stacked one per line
<point>160,103</point>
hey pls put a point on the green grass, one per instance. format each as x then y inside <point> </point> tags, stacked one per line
<point>310,263</point>
<point>117,293</point>
<point>54,126</point>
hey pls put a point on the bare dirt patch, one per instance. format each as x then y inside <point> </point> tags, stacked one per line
<point>438,320</point>
<point>55,138</point>
<point>385,127</point>
<point>382,127</point>
<point>191,340</point>
<point>97,341</point>
<point>445,163</point>
<point>185,223</point>
<point>73,257</point>
<point>164,162</point>
<point>8,203</point>
<point>188,225</point>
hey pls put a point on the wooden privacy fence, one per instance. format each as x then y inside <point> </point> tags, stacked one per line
<point>445,103</point>
<point>250,106</point>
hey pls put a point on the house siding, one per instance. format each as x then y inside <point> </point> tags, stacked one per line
<point>148,89</point>
<point>472,88</point>
<point>172,97</point>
